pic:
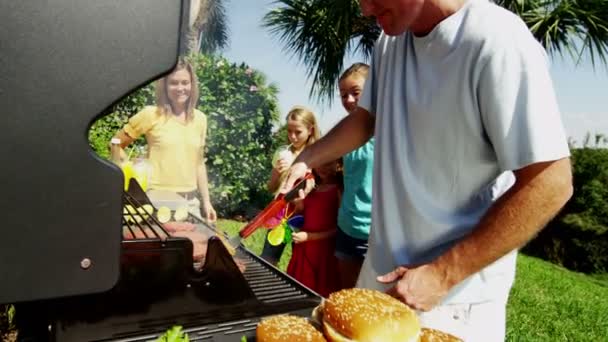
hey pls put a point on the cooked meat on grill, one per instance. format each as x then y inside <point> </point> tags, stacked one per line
<point>139,234</point>
<point>240,264</point>
<point>174,226</point>
<point>199,243</point>
<point>185,230</point>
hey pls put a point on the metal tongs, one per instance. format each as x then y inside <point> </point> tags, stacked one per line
<point>270,211</point>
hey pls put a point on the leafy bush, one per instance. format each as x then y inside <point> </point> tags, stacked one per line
<point>7,314</point>
<point>241,109</point>
<point>578,237</point>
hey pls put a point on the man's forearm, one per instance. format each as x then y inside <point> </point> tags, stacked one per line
<point>350,133</point>
<point>539,192</point>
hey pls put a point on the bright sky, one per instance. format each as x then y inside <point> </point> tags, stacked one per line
<point>582,92</point>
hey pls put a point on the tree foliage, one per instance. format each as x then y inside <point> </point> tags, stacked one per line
<point>321,33</point>
<point>210,32</point>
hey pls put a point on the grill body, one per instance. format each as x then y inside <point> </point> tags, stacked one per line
<point>218,308</point>
<point>160,286</point>
<point>63,260</point>
<point>63,63</point>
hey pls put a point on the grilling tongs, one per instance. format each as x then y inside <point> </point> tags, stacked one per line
<point>270,211</point>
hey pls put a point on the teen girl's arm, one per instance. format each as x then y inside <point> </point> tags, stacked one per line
<point>274,181</point>
<point>302,236</point>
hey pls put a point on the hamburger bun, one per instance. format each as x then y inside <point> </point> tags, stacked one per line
<point>287,328</point>
<point>362,315</point>
<point>432,335</point>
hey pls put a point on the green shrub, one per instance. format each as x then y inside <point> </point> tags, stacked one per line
<point>241,109</point>
<point>578,237</point>
<point>7,314</point>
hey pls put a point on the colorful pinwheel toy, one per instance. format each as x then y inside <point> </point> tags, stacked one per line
<point>283,225</point>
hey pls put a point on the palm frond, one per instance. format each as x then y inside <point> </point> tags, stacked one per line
<point>212,24</point>
<point>320,34</point>
<point>573,26</point>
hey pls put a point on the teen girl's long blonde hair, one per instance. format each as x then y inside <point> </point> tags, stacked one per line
<point>162,98</point>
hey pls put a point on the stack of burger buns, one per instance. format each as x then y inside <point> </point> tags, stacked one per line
<point>362,315</point>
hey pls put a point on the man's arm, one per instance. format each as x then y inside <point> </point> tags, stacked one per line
<point>539,192</point>
<point>350,133</point>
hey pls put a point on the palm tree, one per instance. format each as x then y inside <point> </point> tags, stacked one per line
<point>321,33</point>
<point>208,31</point>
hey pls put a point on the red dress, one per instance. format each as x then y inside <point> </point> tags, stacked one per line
<point>313,262</point>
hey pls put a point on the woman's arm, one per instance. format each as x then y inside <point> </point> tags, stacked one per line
<point>125,140</point>
<point>203,188</point>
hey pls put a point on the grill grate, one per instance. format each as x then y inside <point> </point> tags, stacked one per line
<point>137,223</point>
<point>268,286</point>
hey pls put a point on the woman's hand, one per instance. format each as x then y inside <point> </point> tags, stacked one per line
<point>208,212</point>
<point>299,237</point>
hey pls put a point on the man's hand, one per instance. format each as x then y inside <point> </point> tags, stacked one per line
<point>297,171</point>
<point>421,287</point>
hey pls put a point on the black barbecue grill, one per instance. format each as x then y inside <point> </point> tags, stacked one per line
<point>161,286</point>
<point>63,259</point>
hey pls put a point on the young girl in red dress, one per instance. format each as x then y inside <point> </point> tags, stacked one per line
<point>312,261</point>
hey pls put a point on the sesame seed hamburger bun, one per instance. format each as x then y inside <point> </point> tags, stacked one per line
<point>432,335</point>
<point>362,315</point>
<point>287,328</point>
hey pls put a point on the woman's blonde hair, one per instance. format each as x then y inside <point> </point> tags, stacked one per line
<point>162,98</point>
<point>361,69</point>
<point>305,117</point>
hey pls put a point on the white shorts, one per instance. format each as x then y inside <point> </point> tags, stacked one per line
<point>480,322</point>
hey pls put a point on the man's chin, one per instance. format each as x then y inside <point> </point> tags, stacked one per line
<point>391,30</point>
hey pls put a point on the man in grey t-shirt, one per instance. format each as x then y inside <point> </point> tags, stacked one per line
<point>471,159</point>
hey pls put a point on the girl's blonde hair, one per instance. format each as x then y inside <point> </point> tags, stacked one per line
<point>305,116</point>
<point>361,69</point>
<point>162,98</point>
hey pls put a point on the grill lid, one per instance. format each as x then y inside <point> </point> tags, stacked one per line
<point>58,198</point>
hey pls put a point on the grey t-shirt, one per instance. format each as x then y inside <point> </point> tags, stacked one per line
<point>456,111</point>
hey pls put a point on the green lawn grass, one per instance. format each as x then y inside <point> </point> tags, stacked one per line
<point>547,303</point>
<point>550,303</point>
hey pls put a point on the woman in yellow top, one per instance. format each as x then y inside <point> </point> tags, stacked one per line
<point>175,132</point>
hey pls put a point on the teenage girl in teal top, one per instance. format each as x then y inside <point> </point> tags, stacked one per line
<point>354,216</point>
